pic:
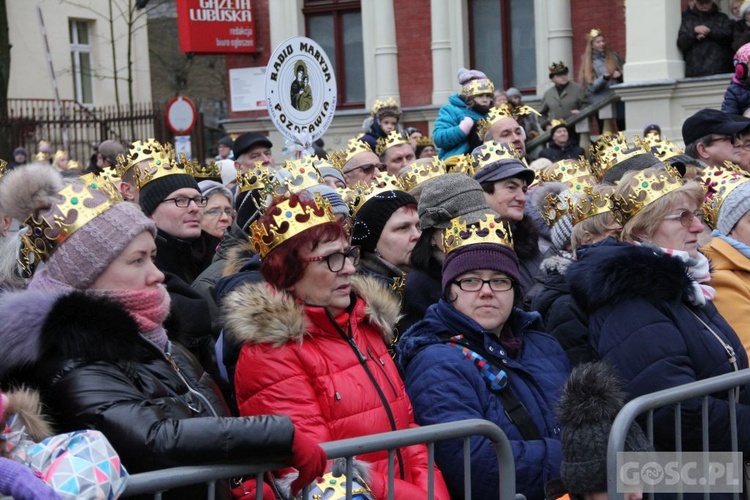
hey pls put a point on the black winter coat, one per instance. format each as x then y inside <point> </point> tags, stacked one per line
<point>642,324</point>
<point>555,153</point>
<point>562,317</point>
<point>94,371</point>
<point>184,259</point>
<point>713,54</point>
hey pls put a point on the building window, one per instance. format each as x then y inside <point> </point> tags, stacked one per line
<point>80,57</point>
<point>502,42</point>
<point>336,25</point>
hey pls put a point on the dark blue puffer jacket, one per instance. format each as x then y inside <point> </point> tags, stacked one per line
<point>444,386</point>
<point>736,99</point>
<point>641,323</point>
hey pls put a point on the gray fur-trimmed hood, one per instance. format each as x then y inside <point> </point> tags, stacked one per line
<point>258,313</point>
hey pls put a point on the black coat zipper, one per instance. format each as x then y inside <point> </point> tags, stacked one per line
<point>363,362</point>
<point>379,364</point>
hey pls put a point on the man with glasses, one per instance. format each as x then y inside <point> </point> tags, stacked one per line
<point>362,168</point>
<point>710,136</point>
<point>742,150</point>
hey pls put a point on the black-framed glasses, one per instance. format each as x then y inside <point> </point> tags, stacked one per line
<point>336,260</point>
<point>476,284</point>
<point>686,217</point>
<point>368,168</point>
<point>720,138</point>
<point>216,212</point>
<point>184,201</point>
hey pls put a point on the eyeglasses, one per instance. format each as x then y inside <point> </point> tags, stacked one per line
<point>686,217</point>
<point>336,260</point>
<point>476,284</point>
<point>184,201</point>
<point>216,212</point>
<point>745,146</point>
<point>720,138</point>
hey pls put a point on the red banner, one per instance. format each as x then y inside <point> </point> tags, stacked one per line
<point>216,26</point>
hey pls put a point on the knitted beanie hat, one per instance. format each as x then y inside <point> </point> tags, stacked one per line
<point>474,82</point>
<point>374,214</point>
<point>493,256</point>
<point>591,399</point>
<point>448,196</point>
<point>153,193</point>
<point>338,205</point>
<point>736,204</point>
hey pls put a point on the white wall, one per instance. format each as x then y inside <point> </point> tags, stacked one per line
<point>29,76</point>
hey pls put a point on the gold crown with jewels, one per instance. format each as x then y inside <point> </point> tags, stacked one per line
<point>565,170</point>
<point>419,172</point>
<point>491,152</point>
<point>557,67</point>
<point>353,147</point>
<point>259,177</point>
<point>504,110</point>
<point>556,206</point>
<point>142,151</point>
<point>289,218</point>
<point>719,182</point>
<point>425,141</point>
<point>359,194</point>
<point>460,164</point>
<point>3,168</point>
<point>394,138</point>
<point>78,203</point>
<point>389,103</point>
<point>160,165</point>
<point>203,172</point>
<point>594,199</point>
<point>300,174</point>
<point>663,149</point>
<point>593,33</point>
<point>489,229</point>
<point>645,187</point>
<point>478,87</point>
<point>610,150</point>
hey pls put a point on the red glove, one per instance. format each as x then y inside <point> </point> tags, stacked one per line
<point>247,491</point>
<point>308,458</point>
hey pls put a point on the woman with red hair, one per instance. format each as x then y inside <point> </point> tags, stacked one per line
<point>315,342</point>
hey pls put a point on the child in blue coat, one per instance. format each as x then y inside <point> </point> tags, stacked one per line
<point>456,124</point>
<point>737,95</point>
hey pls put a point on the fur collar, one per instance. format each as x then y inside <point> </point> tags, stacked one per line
<point>610,272</point>
<point>258,313</point>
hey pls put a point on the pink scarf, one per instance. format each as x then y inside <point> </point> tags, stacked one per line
<point>149,308</point>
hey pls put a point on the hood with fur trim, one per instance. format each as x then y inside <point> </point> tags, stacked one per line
<point>610,272</point>
<point>258,313</point>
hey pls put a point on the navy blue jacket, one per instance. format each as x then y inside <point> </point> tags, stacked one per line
<point>444,386</point>
<point>736,99</point>
<point>641,323</point>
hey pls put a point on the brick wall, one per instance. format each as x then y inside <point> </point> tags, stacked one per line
<point>413,37</point>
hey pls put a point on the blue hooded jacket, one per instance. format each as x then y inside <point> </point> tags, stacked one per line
<point>445,386</point>
<point>447,135</point>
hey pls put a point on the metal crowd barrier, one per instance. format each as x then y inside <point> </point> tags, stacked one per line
<point>157,482</point>
<point>673,396</point>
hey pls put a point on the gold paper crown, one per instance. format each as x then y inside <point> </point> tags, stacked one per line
<point>504,110</point>
<point>381,104</point>
<point>595,32</point>
<point>141,151</point>
<point>289,218</point>
<point>41,156</point>
<point>394,138</point>
<point>490,229</point>
<point>556,123</point>
<point>420,172</point>
<point>209,171</point>
<point>663,149</point>
<point>610,150</point>
<point>425,141</point>
<point>259,177</point>
<point>460,164</point>
<point>565,170</point>
<point>158,166</point>
<point>110,174</point>
<point>360,193</point>
<point>733,167</point>
<point>719,183</point>
<point>491,152</point>
<point>556,206</point>
<point>478,87</point>
<point>646,187</point>
<point>595,199</point>
<point>557,67</point>
<point>77,205</point>
<point>353,147</point>
<point>300,174</point>
<point>3,168</point>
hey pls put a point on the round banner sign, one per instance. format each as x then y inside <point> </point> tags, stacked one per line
<point>300,90</point>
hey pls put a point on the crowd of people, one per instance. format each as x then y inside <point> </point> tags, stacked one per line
<point>250,309</point>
